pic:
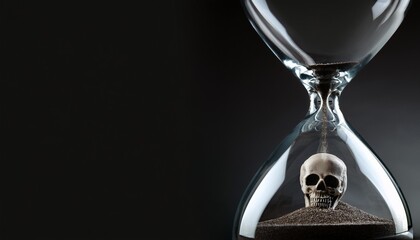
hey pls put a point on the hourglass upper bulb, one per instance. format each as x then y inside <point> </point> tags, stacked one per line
<point>308,33</point>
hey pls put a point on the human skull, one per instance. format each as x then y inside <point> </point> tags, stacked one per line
<point>323,178</point>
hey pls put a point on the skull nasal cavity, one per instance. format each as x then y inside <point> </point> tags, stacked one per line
<point>321,186</point>
<point>312,179</point>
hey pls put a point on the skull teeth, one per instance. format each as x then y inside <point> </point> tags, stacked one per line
<point>320,200</point>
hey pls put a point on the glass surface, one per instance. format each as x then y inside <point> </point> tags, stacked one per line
<point>323,181</point>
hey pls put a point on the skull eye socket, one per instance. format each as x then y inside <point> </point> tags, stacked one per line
<point>331,181</point>
<point>312,179</point>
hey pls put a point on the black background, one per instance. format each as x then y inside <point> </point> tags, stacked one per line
<point>147,120</point>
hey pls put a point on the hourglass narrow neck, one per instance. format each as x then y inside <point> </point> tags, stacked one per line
<point>323,94</point>
<point>324,97</point>
<point>324,110</point>
<point>324,83</point>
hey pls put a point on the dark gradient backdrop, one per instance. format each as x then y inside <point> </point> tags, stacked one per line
<point>147,120</point>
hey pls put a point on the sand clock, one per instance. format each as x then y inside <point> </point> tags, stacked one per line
<point>323,181</point>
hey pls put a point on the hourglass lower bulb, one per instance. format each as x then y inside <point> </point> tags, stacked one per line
<point>323,181</point>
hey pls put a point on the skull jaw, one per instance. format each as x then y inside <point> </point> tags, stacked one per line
<point>321,200</point>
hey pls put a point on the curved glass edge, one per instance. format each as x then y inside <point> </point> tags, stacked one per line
<point>282,148</point>
<point>391,177</point>
<point>394,198</point>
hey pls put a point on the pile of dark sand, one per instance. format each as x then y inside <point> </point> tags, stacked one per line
<point>345,222</point>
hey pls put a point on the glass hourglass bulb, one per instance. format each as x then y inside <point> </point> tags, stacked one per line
<point>323,181</point>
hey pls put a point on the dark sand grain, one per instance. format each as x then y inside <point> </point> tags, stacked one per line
<point>345,222</point>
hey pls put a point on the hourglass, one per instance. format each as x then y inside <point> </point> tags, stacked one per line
<point>323,181</point>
